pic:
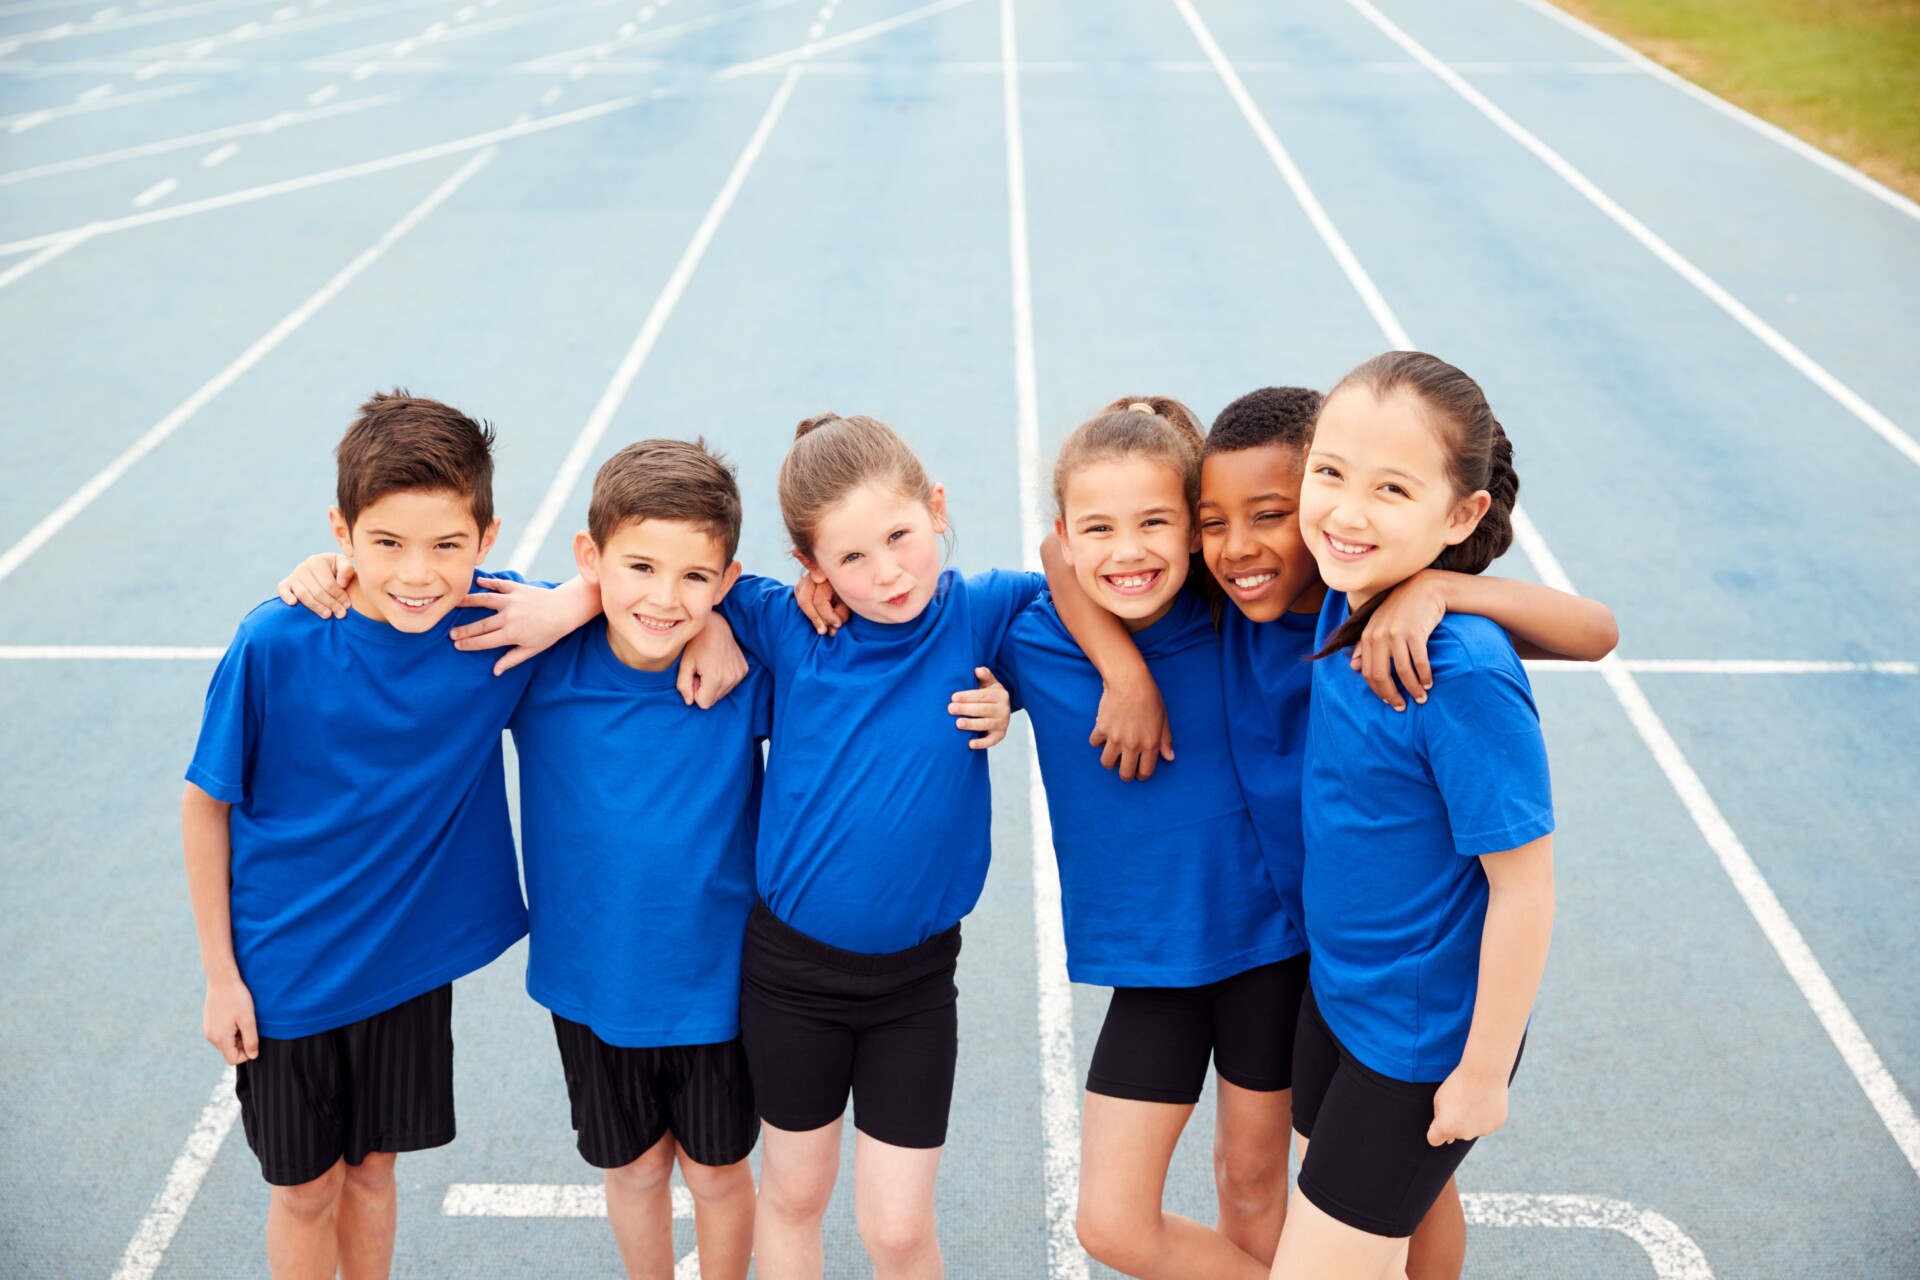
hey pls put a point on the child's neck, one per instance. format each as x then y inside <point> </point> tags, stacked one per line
<point>627,657</point>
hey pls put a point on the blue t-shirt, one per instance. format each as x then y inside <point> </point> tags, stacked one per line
<point>637,816</point>
<point>1399,808</point>
<point>372,856</point>
<point>874,820</point>
<point>1268,683</point>
<point>1162,884</point>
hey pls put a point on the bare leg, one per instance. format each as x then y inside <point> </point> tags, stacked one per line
<point>1125,1147</point>
<point>893,1201</point>
<point>1325,1248</point>
<point>640,1211</point>
<point>369,1210</point>
<point>1439,1246</point>
<point>797,1172</point>
<point>722,1216</point>
<point>302,1243</point>
<point>1250,1166</point>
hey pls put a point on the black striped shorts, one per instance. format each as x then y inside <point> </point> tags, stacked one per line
<point>625,1100</point>
<point>384,1083</point>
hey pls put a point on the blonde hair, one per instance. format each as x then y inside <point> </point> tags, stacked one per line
<point>1157,428</point>
<point>831,457</point>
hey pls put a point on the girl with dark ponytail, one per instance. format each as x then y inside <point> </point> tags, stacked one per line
<point>1428,882</point>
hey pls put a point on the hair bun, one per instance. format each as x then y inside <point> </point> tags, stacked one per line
<point>814,423</point>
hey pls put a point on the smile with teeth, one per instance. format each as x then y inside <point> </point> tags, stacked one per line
<point>1253,581</point>
<point>658,626</point>
<point>1348,548</point>
<point>415,603</point>
<point>1132,583</point>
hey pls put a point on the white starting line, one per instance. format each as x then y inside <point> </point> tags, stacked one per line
<point>558,1200</point>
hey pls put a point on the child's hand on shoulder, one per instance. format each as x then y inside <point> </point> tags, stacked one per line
<point>526,620</point>
<point>1471,1103</point>
<point>823,609</point>
<point>712,665</point>
<point>1131,729</point>
<point>1395,640</point>
<point>320,583</point>
<point>227,1020</point>
<point>986,710</point>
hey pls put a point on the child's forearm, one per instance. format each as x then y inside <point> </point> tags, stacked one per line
<point>1100,635</point>
<point>1544,623</point>
<point>582,601</point>
<point>1513,955</point>
<point>207,838</point>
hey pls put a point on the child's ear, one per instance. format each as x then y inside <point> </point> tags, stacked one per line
<point>1466,516</point>
<point>937,504</point>
<point>811,569</point>
<point>341,533</point>
<point>1193,543</point>
<point>728,577</point>
<point>487,537</point>
<point>586,557</point>
<point>1060,537</point>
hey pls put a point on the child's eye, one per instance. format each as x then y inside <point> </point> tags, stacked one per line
<point>386,542</point>
<point>696,577</point>
<point>1212,526</point>
<point>896,535</point>
<point>1394,488</point>
<point>1272,515</point>
<point>641,568</point>
<point>850,557</point>
<point>1325,470</point>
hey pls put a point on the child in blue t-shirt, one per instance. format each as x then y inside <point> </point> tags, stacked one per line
<point>348,851</point>
<point>1250,540</point>
<point>1164,891</point>
<point>1428,884</point>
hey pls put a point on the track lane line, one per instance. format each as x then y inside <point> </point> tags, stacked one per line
<point>1765,128</point>
<point>601,417</point>
<point>1059,1096</point>
<point>1849,399</point>
<point>1862,1060</point>
<point>156,1230</point>
<point>84,496</point>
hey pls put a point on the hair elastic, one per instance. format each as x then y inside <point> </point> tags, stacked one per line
<point>1141,406</point>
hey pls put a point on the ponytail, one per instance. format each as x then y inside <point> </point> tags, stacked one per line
<point>1479,456</point>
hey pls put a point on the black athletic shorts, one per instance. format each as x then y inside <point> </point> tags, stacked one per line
<point>1156,1041</point>
<point>625,1100</point>
<point>1368,1164</point>
<point>819,1022</point>
<point>384,1083</point>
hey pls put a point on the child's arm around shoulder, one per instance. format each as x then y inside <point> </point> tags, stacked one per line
<point>1543,622</point>
<point>227,1018</point>
<point>1131,725</point>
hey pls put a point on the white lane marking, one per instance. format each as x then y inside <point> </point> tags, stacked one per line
<point>566,57</point>
<point>1812,370</point>
<point>1296,182</point>
<point>775,61</point>
<point>1895,1111</point>
<point>155,1233</point>
<point>630,364</point>
<point>27,266</point>
<point>577,72</point>
<point>96,93</point>
<point>382,165</point>
<point>108,653</point>
<point>550,1200</point>
<point>466,14</point>
<point>364,70</point>
<point>158,191</point>
<point>551,96</point>
<point>66,30</point>
<point>150,70</point>
<point>1839,168</point>
<point>83,497</point>
<point>267,125</point>
<point>1672,1252</point>
<point>1059,1094</point>
<point>322,94</point>
<point>219,155</point>
<point>1881,1090</point>
<point>28,119</point>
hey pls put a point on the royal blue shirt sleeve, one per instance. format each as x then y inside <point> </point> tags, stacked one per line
<point>230,723</point>
<point>995,598</point>
<point>764,616</point>
<point>1488,760</point>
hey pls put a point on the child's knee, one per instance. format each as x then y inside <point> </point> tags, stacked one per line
<point>797,1192</point>
<point>373,1173</point>
<point>1112,1235</point>
<point>896,1238</point>
<point>713,1184</point>
<point>647,1174</point>
<point>1249,1177</point>
<point>313,1199</point>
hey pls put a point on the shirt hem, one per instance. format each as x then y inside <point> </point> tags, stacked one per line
<point>219,789</point>
<point>1480,844</point>
<point>621,1037</point>
<point>1116,976</point>
<point>481,956</point>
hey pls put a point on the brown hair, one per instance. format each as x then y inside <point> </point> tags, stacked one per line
<point>667,480</point>
<point>1479,456</point>
<point>1158,428</point>
<point>831,457</point>
<point>401,443</point>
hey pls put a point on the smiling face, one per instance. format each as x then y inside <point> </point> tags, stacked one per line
<point>1125,529</point>
<point>414,553</point>
<point>880,551</point>
<point>1377,504</point>
<point>1250,531</point>
<point>658,581</point>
